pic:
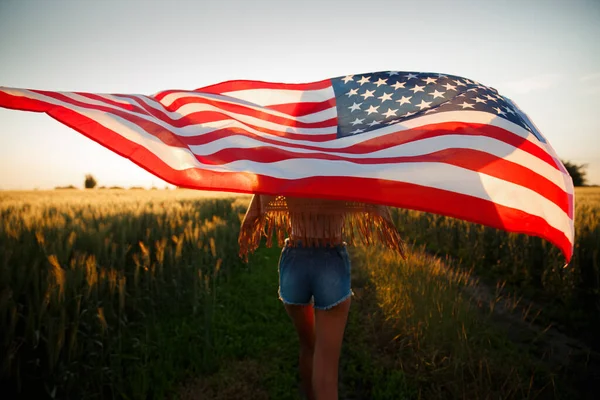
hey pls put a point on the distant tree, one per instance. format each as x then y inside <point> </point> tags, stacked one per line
<point>577,172</point>
<point>65,187</point>
<point>90,182</point>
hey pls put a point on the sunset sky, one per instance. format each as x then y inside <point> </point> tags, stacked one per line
<point>544,55</point>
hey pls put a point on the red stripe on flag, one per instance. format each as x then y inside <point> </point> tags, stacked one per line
<point>272,139</point>
<point>232,86</point>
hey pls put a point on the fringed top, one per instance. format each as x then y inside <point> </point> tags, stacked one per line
<point>316,221</point>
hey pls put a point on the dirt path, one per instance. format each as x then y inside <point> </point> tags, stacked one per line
<point>570,356</point>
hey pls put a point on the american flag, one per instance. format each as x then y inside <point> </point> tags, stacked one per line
<point>424,141</point>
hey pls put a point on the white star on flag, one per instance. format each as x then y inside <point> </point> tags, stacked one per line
<point>424,104</point>
<point>449,86</point>
<point>437,94</point>
<point>352,92</point>
<point>390,113</point>
<point>385,96</point>
<point>499,111</point>
<point>372,109</point>
<point>404,100</point>
<point>355,106</point>
<point>367,94</point>
<point>509,110</point>
<point>417,88</point>
<point>363,80</point>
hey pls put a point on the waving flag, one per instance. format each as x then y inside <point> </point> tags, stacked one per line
<point>424,141</point>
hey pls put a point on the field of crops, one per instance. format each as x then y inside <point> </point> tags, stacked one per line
<point>140,294</point>
<point>95,286</point>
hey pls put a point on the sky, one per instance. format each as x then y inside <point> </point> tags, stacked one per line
<point>544,55</point>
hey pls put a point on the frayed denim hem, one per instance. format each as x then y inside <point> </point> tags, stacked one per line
<point>289,303</point>
<point>329,307</point>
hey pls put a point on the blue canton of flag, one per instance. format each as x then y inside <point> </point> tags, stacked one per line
<point>370,101</point>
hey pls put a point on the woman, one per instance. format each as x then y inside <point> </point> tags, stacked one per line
<point>314,271</point>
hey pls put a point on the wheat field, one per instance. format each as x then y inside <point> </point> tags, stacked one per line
<point>115,293</point>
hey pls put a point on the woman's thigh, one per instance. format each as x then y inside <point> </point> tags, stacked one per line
<point>303,318</point>
<point>329,333</point>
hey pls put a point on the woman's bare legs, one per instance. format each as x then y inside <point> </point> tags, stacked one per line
<point>330,325</point>
<point>321,333</point>
<point>303,318</point>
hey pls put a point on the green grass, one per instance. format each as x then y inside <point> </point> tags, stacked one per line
<point>250,327</point>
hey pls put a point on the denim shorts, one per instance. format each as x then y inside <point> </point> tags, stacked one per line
<point>317,275</point>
